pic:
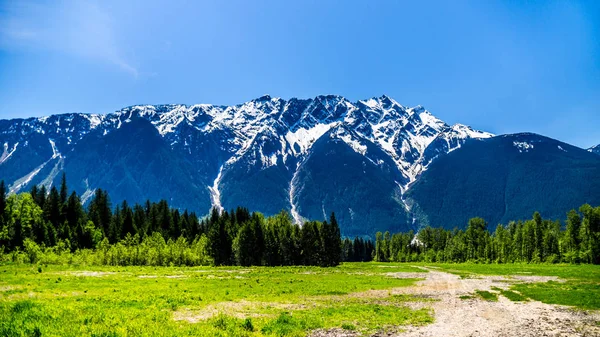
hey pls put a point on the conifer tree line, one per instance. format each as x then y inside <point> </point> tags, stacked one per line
<point>46,224</point>
<point>357,250</point>
<point>533,241</point>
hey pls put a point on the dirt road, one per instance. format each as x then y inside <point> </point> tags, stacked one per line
<point>475,317</point>
<point>456,317</point>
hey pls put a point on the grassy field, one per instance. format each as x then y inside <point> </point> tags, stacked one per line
<point>229,301</point>
<point>138,301</point>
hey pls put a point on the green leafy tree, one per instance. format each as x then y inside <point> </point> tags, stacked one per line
<point>23,217</point>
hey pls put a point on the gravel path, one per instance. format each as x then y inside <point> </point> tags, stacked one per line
<point>455,317</point>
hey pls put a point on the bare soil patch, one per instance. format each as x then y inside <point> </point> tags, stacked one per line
<point>239,309</point>
<point>476,317</point>
<point>456,317</point>
<point>86,273</point>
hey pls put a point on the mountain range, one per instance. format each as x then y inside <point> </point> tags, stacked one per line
<point>379,165</point>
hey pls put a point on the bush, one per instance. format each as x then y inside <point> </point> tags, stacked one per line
<point>32,250</point>
<point>247,325</point>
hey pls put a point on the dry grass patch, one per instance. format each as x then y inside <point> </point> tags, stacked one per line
<point>239,309</point>
<point>87,273</point>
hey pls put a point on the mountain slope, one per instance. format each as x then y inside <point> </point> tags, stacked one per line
<point>360,183</point>
<point>506,178</point>
<point>595,149</point>
<point>133,169</point>
<point>262,154</point>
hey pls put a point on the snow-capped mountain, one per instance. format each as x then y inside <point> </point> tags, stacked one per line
<point>595,149</point>
<point>307,156</point>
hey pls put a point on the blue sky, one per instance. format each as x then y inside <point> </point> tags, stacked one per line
<point>503,66</point>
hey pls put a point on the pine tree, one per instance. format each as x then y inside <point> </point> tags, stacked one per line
<point>270,256</point>
<point>2,204</point>
<point>573,228</point>
<point>41,196</point>
<point>529,240</point>
<point>128,226</point>
<point>52,208</point>
<point>74,211</point>
<point>243,246</point>
<point>185,225</point>
<point>311,244</point>
<point>34,192</point>
<point>590,234</point>
<point>176,230</point>
<point>139,221</point>
<point>476,238</point>
<point>256,225</point>
<point>539,236</point>
<point>100,212</point>
<point>379,256</point>
<point>115,228</point>
<point>196,229</point>
<point>226,235</point>
<point>334,242</point>
<point>64,191</point>
<point>153,220</point>
<point>165,220</point>
<point>219,244</point>
<point>17,234</point>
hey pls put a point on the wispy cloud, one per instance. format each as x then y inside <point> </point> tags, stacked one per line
<point>81,28</point>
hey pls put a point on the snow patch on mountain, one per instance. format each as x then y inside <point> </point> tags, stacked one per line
<point>292,192</point>
<point>302,139</point>
<point>6,154</point>
<point>215,194</point>
<point>56,170</point>
<point>94,119</point>
<point>23,181</point>
<point>87,195</point>
<point>89,192</point>
<point>344,135</point>
<point>523,146</point>
<point>55,153</point>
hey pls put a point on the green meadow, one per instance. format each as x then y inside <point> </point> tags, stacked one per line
<point>166,301</point>
<point>54,300</point>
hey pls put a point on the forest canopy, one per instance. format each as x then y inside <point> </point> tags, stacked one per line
<point>53,226</point>
<point>54,223</point>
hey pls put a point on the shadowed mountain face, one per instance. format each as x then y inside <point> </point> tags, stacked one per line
<point>135,163</point>
<point>307,156</point>
<point>507,178</point>
<point>595,149</point>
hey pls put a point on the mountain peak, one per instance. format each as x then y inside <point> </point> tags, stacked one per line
<point>418,109</point>
<point>263,98</point>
